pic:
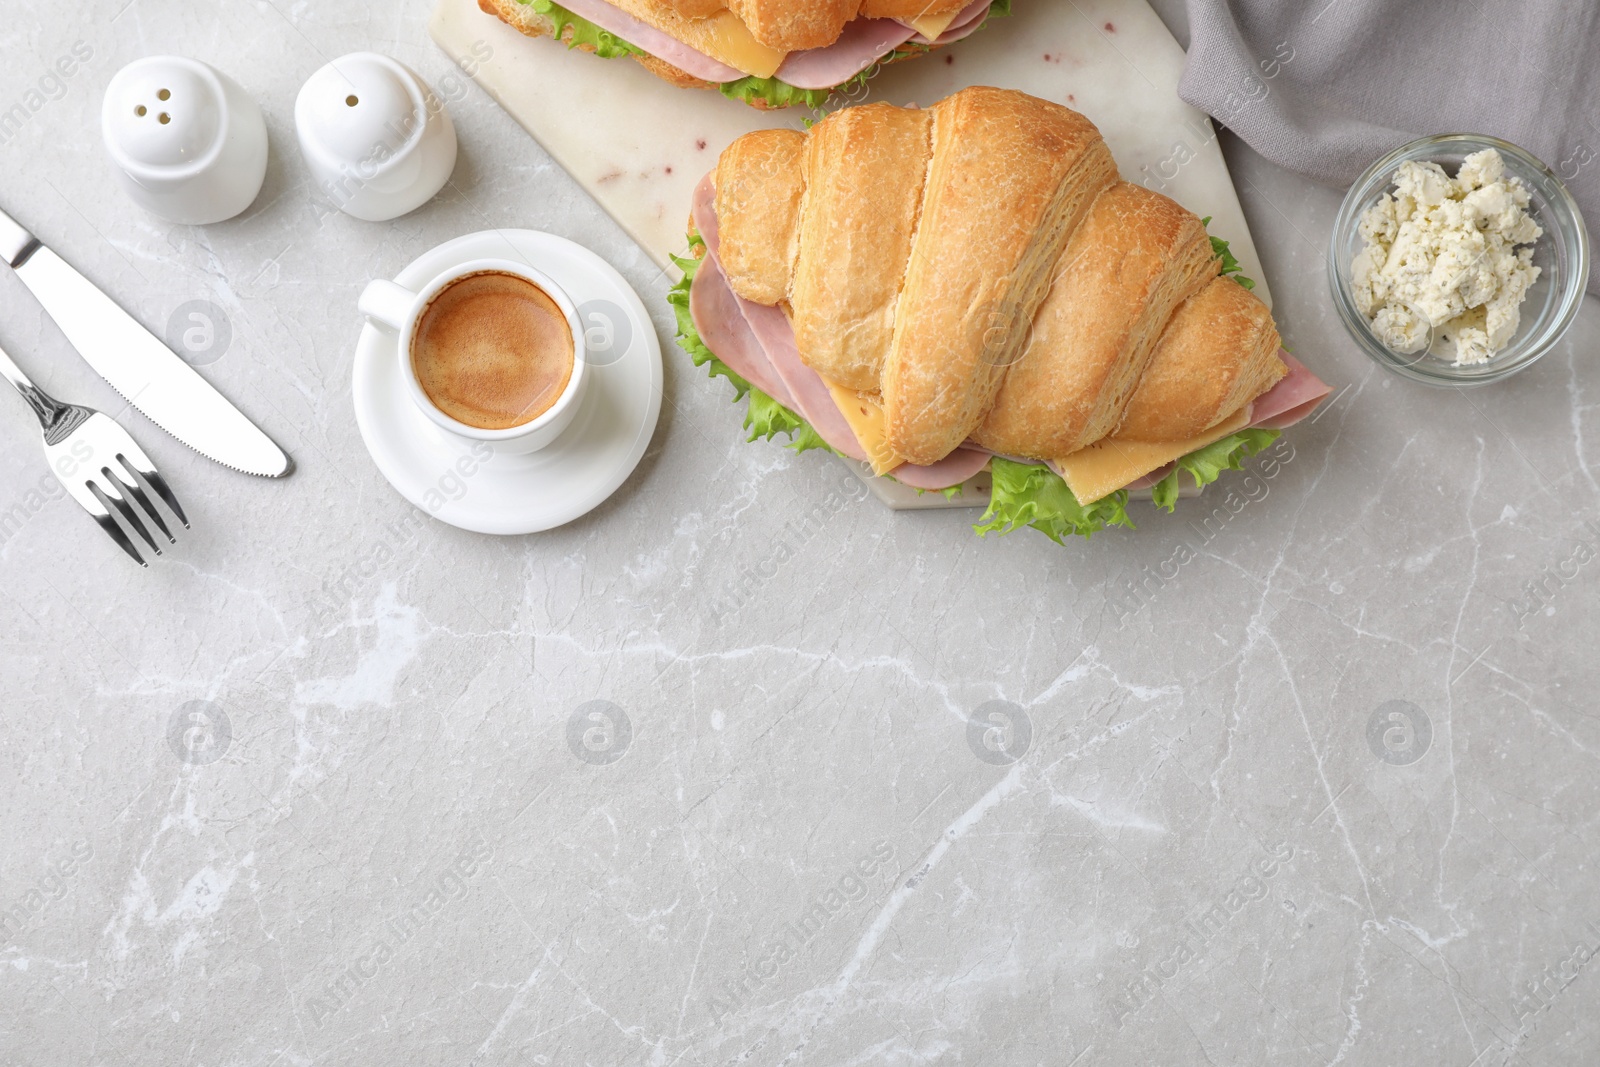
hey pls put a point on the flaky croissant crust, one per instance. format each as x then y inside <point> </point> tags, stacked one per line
<point>793,25</point>
<point>979,267</point>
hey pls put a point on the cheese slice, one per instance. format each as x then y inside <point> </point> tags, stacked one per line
<point>1108,465</point>
<point>723,36</point>
<point>931,26</point>
<point>864,413</point>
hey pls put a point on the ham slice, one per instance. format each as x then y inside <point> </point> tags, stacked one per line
<point>714,307</point>
<point>658,43</point>
<point>964,25</point>
<point>1296,395</point>
<point>719,312</point>
<point>808,396</point>
<point>1290,417</point>
<point>951,36</point>
<point>812,401</point>
<point>1149,480</point>
<point>953,469</point>
<point>703,209</point>
<point>863,43</point>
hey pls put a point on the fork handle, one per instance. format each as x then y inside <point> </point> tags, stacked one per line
<point>46,408</point>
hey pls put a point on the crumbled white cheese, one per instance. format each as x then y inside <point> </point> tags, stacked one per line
<point>1441,259</point>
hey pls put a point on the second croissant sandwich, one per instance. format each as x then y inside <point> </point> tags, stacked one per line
<point>767,53</point>
<point>970,286</point>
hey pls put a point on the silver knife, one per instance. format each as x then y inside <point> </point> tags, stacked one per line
<point>147,373</point>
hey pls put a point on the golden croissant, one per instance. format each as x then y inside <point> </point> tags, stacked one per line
<point>933,288</point>
<point>768,53</point>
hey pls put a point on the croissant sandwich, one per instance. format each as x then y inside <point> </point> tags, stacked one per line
<point>936,292</point>
<point>768,53</point>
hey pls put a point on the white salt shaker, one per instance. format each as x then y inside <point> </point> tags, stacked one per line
<point>189,144</point>
<point>377,139</point>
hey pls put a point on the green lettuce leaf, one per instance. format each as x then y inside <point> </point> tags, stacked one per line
<point>1206,464</point>
<point>688,336</point>
<point>1028,494</point>
<point>764,417</point>
<point>774,93</point>
<point>1165,492</point>
<point>1230,262</point>
<point>806,437</point>
<point>949,492</point>
<point>606,44</point>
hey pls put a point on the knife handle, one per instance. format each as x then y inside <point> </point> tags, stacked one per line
<point>16,243</point>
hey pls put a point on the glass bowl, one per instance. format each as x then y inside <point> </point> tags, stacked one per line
<point>1552,302</point>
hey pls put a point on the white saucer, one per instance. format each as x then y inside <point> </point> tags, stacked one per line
<point>493,492</point>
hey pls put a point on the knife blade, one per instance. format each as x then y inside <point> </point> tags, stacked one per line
<point>147,373</point>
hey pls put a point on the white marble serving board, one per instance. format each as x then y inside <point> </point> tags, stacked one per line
<point>639,145</point>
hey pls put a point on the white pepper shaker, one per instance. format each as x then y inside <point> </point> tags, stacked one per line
<point>377,139</point>
<point>188,143</point>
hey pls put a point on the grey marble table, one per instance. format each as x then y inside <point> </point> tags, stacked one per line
<point>1303,774</point>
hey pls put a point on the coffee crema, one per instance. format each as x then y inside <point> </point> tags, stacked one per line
<point>493,350</point>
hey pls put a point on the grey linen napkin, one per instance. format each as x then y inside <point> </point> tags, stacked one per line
<point>1326,87</point>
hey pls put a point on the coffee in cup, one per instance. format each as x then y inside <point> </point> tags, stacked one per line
<point>490,350</point>
<point>493,350</point>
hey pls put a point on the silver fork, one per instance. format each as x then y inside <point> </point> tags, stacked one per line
<point>99,464</point>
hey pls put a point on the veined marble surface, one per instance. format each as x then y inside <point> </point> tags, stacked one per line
<point>743,768</point>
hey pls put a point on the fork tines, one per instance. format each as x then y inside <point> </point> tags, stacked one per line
<point>116,493</point>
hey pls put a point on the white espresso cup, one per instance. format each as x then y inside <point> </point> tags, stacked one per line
<point>392,306</point>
